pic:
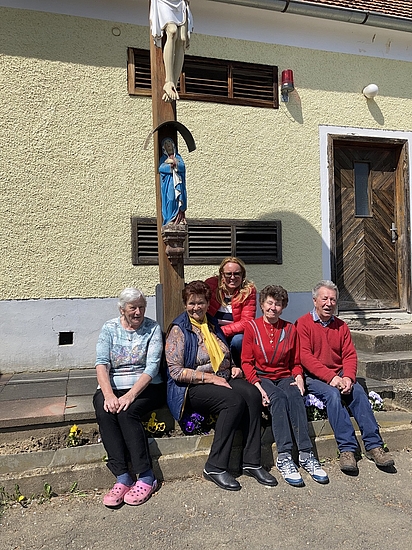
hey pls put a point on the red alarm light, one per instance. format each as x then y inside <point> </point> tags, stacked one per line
<point>287,84</point>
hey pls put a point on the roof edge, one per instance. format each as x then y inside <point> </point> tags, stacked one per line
<point>322,11</point>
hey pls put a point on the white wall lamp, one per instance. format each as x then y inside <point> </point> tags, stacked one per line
<point>370,91</point>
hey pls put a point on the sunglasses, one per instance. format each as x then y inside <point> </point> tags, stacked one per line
<point>228,275</point>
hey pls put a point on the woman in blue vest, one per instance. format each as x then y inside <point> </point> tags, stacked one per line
<point>202,379</point>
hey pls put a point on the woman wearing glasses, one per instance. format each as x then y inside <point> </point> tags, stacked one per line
<point>233,302</point>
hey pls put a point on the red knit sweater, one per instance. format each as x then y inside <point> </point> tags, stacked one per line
<point>261,359</point>
<point>326,351</point>
<point>242,311</point>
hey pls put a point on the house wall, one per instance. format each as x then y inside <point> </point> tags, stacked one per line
<point>75,170</point>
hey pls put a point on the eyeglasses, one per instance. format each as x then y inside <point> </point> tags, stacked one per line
<point>228,275</point>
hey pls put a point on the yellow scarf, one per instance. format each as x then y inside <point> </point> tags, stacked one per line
<point>212,345</point>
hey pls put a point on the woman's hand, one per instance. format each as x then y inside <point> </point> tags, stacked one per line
<point>299,382</point>
<point>237,372</point>
<point>126,400</point>
<point>219,381</point>
<point>111,403</point>
<point>265,397</point>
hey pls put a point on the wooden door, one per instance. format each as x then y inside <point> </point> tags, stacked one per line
<point>367,191</point>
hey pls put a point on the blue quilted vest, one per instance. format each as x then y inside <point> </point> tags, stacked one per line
<point>176,391</point>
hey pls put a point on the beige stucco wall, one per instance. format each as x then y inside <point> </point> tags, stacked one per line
<point>74,170</point>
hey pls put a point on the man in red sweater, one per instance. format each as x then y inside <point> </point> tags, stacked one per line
<point>329,358</point>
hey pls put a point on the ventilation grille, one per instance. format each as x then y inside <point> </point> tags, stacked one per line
<point>206,79</point>
<point>209,241</point>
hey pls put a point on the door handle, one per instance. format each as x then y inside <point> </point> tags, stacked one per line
<point>394,233</point>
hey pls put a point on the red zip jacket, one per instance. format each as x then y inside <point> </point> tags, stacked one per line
<point>242,312</point>
<point>262,360</point>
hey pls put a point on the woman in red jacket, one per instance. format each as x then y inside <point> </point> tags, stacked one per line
<point>233,302</point>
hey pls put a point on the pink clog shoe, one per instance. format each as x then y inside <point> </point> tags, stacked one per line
<point>140,493</point>
<point>116,494</point>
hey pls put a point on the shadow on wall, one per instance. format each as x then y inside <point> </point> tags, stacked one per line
<point>301,267</point>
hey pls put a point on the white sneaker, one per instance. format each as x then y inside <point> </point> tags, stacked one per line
<point>289,471</point>
<point>313,467</point>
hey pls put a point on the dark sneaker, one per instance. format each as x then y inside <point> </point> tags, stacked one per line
<point>380,457</point>
<point>347,462</point>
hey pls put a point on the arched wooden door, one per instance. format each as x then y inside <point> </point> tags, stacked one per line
<point>370,233</point>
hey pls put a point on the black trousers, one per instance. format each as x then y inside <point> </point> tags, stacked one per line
<point>239,407</point>
<point>123,435</point>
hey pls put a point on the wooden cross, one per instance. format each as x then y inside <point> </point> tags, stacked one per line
<point>171,266</point>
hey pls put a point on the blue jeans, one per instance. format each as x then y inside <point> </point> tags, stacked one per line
<point>287,410</point>
<point>337,406</point>
<point>235,345</point>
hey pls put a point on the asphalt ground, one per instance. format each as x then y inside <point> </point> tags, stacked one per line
<point>370,511</point>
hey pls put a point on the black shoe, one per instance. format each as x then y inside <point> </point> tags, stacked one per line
<point>261,475</point>
<point>223,480</point>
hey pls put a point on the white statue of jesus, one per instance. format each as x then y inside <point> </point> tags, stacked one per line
<point>175,18</point>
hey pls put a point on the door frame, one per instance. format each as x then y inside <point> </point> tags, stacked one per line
<point>328,134</point>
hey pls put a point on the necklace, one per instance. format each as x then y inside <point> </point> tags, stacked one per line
<point>271,334</point>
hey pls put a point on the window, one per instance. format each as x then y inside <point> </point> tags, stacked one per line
<point>206,79</point>
<point>362,189</point>
<point>209,241</point>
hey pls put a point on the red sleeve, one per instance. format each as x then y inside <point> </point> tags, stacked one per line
<point>248,358</point>
<point>214,302</point>
<point>296,367</point>
<point>349,355</point>
<point>242,313</point>
<point>309,361</point>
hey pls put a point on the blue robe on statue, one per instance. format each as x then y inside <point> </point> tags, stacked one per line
<point>173,187</point>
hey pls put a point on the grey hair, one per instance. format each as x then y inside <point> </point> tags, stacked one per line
<point>130,295</point>
<point>327,284</point>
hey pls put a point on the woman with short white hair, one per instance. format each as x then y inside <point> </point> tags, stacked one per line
<point>128,356</point>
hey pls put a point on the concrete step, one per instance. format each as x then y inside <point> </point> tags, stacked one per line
<point>173,458</point>
<point>395,339</point>
<point>378,316</point>
<point>385,366</point>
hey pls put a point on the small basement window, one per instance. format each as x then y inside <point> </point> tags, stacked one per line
<point>207,79</point>
<point>209,241</point>
<point>65,338</point>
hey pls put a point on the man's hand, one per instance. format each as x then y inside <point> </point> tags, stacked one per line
<point>347,385</point>
<point>344,384</point>
<point>336,382</point>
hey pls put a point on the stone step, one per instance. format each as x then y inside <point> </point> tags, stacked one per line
<point>383,387</point>
<point>376,317</point>
<point>385,366</point>
<point>173,458</point>
<point>395,339</point>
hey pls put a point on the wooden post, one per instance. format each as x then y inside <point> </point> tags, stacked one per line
<point>171,266</point>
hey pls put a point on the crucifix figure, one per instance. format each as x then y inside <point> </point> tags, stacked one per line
<point>175,18</point>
